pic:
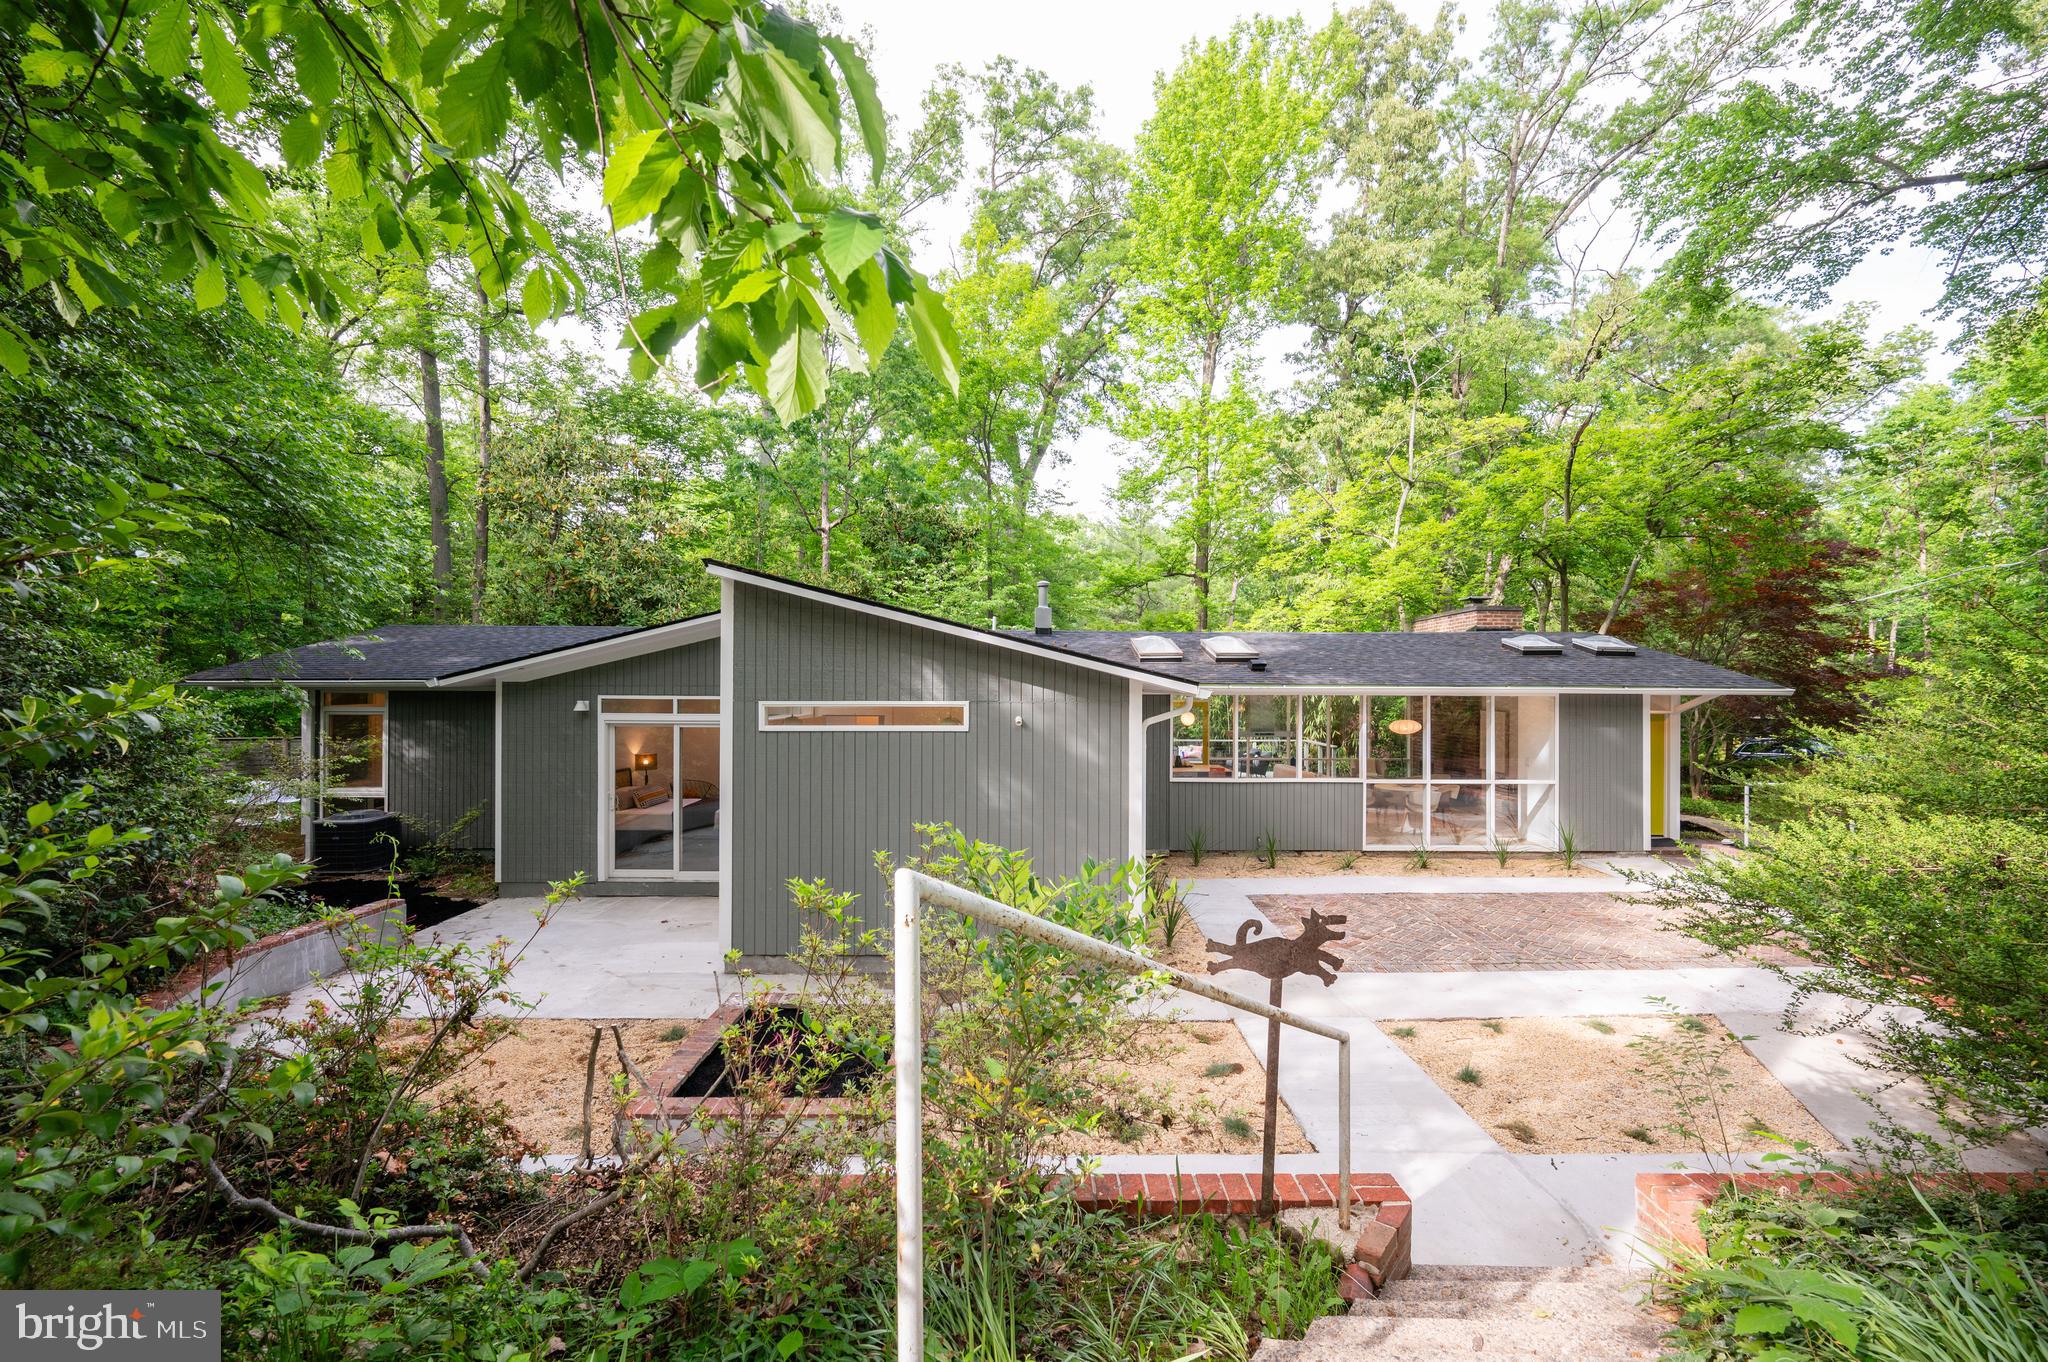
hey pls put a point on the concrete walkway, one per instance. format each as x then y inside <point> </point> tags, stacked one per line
<point>1475,1201</point>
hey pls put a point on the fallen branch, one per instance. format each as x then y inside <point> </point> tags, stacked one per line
<point>584,1212</point>
<point>345,1233</point>
<point>589,1085</point>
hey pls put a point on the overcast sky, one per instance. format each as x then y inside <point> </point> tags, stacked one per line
<point>1117,47</point>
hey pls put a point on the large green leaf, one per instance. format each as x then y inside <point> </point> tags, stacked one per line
<point>865,296</point>
<point>167,42</point>
<point>642,170</point>
<point>931,327</point>
<point>476,102</point>
<point>867,105</point>
<point>314,61</point>
<point>851,240</point>
<point>302,140</point>
<point>791,106</point>
<point>699,60</point>
<point>220,68</point>
<point>795,375</point>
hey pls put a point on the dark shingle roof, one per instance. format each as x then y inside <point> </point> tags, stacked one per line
<point>409,652</point>
<point>1475,659</point>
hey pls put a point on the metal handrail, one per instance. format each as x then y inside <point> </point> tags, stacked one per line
<point>912,890</point>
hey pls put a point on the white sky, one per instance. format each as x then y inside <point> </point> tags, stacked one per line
<point>1117,46</point>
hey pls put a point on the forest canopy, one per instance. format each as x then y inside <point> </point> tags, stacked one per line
<point>517,314</point>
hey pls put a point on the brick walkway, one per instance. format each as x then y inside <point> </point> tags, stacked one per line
<point>1401,933</point>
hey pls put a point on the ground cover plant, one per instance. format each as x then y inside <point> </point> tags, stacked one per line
<point>1896,1273</point>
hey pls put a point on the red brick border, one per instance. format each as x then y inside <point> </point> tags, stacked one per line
<point>1384,1240</point>
<point>202,969</point>
<point>1668,1205</point>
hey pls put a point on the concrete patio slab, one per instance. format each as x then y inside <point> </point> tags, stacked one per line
<point>599,957</point>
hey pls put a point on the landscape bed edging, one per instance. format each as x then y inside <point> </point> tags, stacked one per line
<point>1668,1205</point>
<point>276,964</point>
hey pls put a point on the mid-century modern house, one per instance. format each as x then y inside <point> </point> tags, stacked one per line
<point>797,731</point>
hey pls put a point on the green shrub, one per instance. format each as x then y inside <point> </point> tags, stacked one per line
<point>1888,1276</point>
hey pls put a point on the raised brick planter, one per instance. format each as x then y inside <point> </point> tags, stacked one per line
<point>1386,1214</point>
<point>663,1079</point>
<point>1668,1205</point>
<point>274,964</point>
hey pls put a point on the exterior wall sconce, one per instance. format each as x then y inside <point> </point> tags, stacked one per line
<point>581,707</point>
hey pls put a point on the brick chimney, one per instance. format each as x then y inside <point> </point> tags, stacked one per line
<point>1474,615</point>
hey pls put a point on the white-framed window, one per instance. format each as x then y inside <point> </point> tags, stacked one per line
<point>352,755</point>
<point>902,716</point>
<point>1440,770</point>
<point>1474,771</point>
<point>1268,737</point>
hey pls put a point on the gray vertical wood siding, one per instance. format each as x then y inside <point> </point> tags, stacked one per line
<point>437,750</point>
<point>1158,765</point>
<point>1232,815</point>
<point>551,772</point>
<point>1600,771</point>
<point>818,805</point>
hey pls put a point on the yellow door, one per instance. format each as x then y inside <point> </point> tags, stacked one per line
<point>1657,811</point>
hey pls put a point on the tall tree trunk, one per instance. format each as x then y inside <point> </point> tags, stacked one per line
<point>1628,582</point>
<point>824,526</point>
<point>480,577</point>
<point>437,479</point>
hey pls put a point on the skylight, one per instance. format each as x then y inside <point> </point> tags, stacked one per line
<point>1532,643</point>
<point>1228,648</point>
<point>1153,648</point>
<point>1605,645</point>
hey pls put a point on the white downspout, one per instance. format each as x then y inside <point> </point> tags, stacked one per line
<point>1182,704</point>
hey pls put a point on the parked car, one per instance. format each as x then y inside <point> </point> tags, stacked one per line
<point>1771,750</point>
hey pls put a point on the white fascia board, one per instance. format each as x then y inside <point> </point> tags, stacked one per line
<point>888,612</point>
<point>636,644</point>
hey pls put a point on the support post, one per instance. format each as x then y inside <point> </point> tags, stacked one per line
<point>1269,1204</point>
<point>909,1061</point>
<point>1745,815</point>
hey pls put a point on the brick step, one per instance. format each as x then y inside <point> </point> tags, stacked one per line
<point>1347,1338</point>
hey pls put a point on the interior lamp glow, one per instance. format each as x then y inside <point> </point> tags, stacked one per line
<point>1405,727</point>
<point>1187,720</point>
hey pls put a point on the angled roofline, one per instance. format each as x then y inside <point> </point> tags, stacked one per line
<point>1015,643</point>
<point>648,638</point>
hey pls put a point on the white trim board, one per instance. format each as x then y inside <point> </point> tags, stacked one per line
<point>993,640</point>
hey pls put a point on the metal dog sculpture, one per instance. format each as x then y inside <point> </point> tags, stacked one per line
<point>1276,958</point>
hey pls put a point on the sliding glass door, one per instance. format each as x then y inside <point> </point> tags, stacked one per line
<point>661,795</point>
